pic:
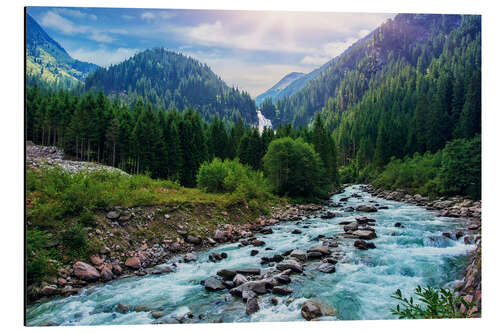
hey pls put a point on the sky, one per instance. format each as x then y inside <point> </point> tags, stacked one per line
<point>251,50</point>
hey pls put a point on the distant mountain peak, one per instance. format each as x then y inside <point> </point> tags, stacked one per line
<point>279,86</point>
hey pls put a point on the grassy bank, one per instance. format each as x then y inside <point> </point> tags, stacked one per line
<point>66,214</point>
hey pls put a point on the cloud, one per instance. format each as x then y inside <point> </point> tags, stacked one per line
<point>101,37</point>
<point>103,57</point>
<point>314,60</point>
<point>147,16</point>
<point>127,17</point>
<point>75,13</point>
<point>56,21</point>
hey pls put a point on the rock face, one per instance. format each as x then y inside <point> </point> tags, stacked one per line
<point>85,272</point>
<point>310,310</point>
<point>133,263</point>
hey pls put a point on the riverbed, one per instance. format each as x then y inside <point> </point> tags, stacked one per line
<point>360,288</point>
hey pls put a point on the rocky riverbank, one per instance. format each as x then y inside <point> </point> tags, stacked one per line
<point>470,286</point>
<point>140,240</point>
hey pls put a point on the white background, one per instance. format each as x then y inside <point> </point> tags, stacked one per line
<point>11,162</point>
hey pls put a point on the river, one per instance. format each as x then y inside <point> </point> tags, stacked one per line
<point>360,288</point>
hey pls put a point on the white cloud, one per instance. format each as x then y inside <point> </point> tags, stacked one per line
<point>75,13</point>
<point>56,21</point>
<point>147,16</point>
<point>101,37</point>
<point>103,57</point>
<point>127,17</point>
<point>314,60</point>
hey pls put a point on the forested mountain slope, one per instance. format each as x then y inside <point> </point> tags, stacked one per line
<point>274,91</point>
<point>165,79</point>
<point>346,79</point>
<point>48,62</point>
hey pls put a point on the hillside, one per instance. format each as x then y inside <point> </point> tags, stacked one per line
<point>278,87</point>
<point>166,79</point>
<point>402,39</point>
<point>49,62</point>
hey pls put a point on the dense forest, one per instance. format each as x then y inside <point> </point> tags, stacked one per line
<point>168,79</point>
<point>166,144</point>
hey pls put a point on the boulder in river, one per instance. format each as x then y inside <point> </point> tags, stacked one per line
<point>319,248</point>
<point>85,272</point>
<point>281,291</point>
<point>290,264</point>
<point>122,308</point>
<point>310,310</point>
<point>366,209</point>
<point>161,269</point>
<point>298,254</point>
<point>296,232</point>
<point>239,279</point>
<point>248,271</point>
<point>353,226</point>
<point>227,274</point>
<point>364,234</point>
<point>326,268</point>
<point>362,245</point>
<point>214,284</point>
<point>252,306</point>
<point>254,252</point>
<point>258,242</point>
<point>314,255</point>
<point>106,274</point>
<point>190,257</point>
<point>328,215</point>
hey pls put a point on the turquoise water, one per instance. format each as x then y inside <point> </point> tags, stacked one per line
<point>359,289</point>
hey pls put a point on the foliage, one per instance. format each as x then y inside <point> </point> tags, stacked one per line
<point>456,169</point>
<point>38,265</point>
<point>232,177</point>
<point>294,168</point>
<point>430,303</point>
<point>169,79</point>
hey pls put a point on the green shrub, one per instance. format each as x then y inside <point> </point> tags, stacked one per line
<point>230,176</point>
<point>38,265</point>
<point>294,168</point>
<point>74,238</point>
<point>430,303</point>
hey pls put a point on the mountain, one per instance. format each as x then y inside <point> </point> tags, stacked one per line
<point>169,79</point>
<point>278,87</point>
<point>366,61</point>
<point>48,61</point>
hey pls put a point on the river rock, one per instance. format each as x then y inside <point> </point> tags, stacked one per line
<point>362,245</point>
<point>220,236</point>
<point>366,209</point>
<point>363,219</point>
<point>353,226</point>
<point>290,264</point>
<point>214,284</point>
<point>194,240</point>
<point>106,274</point>
<point>258,242</point>
<point>122,308</point>
<point>277,258</point>
<point>85,272</point>
<point>364,234</point>
<point>310,310</point>
<point>190,257</point>
<point>49,290</point>
<point>161,269</point>
<point>282,279</point>
<point>117,269</point>
<point>252,306</point>
<point>133,263</point>
<point>254,252</point>
<point>157,314</point>
<point>348,209</point>
<point>296,232</point>
<point>227,274</point>
<point>298,254</point>
<point>328,215</point>
<point>326,268</point>
<point>319,248</point>
<point>282,291</point>
<point>248,271</point>
<point>266,231</point>
<point>398,225</point>
<point>239,279</point>
<point>314,255</point>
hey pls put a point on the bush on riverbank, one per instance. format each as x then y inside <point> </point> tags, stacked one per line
<point>230,176</point>
<point>294,168</point>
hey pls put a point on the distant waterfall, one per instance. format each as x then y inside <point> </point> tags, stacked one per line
<point>263,121</point>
